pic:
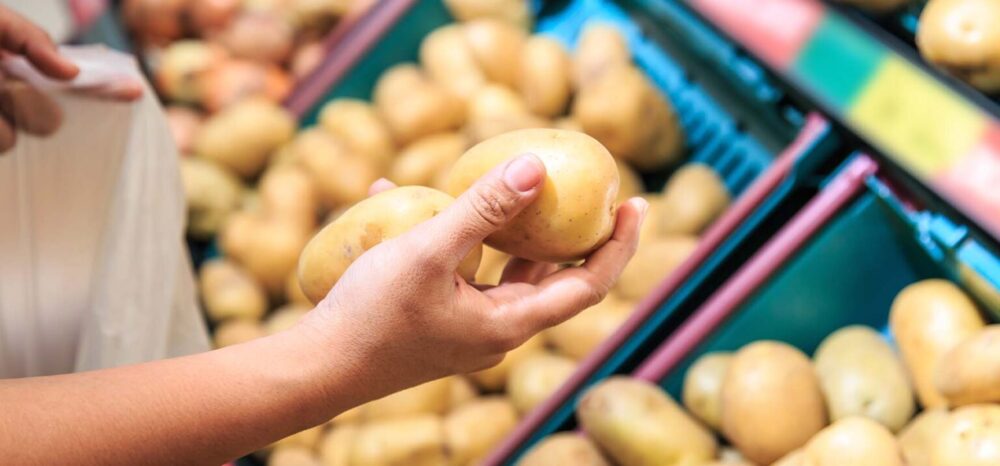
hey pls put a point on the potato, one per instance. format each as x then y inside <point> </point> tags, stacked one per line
<point>638,424</point>
<point>383,216</point>
<point>292,456</point>
<point>288,194</point>
<point>656,259</point>
<point>568,123</point>
<point>421,162</point>
<point>229,292</point>
<point>258,36</point>
<point>702,393</point>
<point>497,46</point>
<point>335,447</point>
<point>876,6</point>
<point>242,136</point>
<point>412,441</point>
<point>862,376</point>
<point>268,249</point>
<point>970,372</point>
<point>342,178</point>
<point>583,333</point>
<point>853,441</point>
<point>233,81</point>
<point>534,379</point>
<point>473,429</point>
<point>795,458</point>
<point>545,76</point>
<point>600,48</point>
<point>630,184</point>
<point>307,438</point>
<point>428,398</point>
<point>693,198</point>
<point>495,102</point>
<point>357,124</point>
<point>184,125</point>
<point>625,112</point>
<point>212,193</point>
<point>771,401</point>
<point>284,318</point>
<point>460,391</point>
<point>575,212</point>
<point>493,264</point>
<point>650,228</point>
<point>963,38</point>
<point>180,67</point>
<point>564,448</point>
<point>928,319</point>
<point>495,378</point>
<point>970,437</point>
<point>412,106</point>
<point>514,12</point>
<point>236,331</point>
<point>293,291</point>
<point>919,436</point>
<point>448,59</point>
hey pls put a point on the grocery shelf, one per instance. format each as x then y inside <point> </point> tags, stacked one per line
<point>936,130</point>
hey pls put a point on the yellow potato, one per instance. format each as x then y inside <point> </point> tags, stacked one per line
<point>963,38</point>
<point>412,441</point>
<point>970,372</point>
<point>861,376</point>
<point>795,458</point>
<point>421,162</point>
<point>582,334</point>
<point>655,260</point>
<point>413,106</point>
<point>460,391</point>
<point>242,136</point>
<point>212,193</point>
<point>496,102</point>
<point>853,441</point>
<point>693,198</point>
<point>630,183</point>
<point>970,437</point>
<point>650,229</point>
<point>575,212</point>
<point>928,319</point>
<point>624,111</point>
<point>493,264</point>
<point>266,248</point>
<point>568,123</point>
<point>514,12</point>
<point>383,216</point>
<point>428,398</point>
<point>496,45</point>
<point>702,394</point>
<point>495,378</point>
<point>448,59</point>
<point>473,429</point>
<point>229,292</point>
<point>600,48</point>
<point>638,424</point>
<point>545,76</point>
<point>564,448</point>
<point>308,439</point>
<point>293,291</point>
<point>341,177</point>
<point>335,447</point>
<point>284,318</point>
<point>293,456</point>
<point>771,401</point>
<point>919,436</point>
<point>236,331</point>
<point>534,379</point>
<point>356,123</point>
<point>180,67</point>
<point>288,194</point>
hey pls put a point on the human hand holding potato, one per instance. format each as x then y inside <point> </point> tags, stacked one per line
<point>403,304</point>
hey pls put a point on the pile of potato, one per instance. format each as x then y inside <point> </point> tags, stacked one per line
<point>852,404</point>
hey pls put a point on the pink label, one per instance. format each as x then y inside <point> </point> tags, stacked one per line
<point>973,183</point>
<point>774,30</point>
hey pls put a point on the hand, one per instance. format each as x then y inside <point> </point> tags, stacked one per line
<point>402,309</point>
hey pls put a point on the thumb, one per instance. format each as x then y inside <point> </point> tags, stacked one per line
<point>489,204</point>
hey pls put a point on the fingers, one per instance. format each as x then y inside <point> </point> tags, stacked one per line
<point>379,186</point>
<point>29,108</point>
<point>486,206</point>
<point>8,136</point>
<point>20,36</point>
<point>122,88</point>
<point>565,293</point>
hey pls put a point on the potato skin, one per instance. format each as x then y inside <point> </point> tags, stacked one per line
<point>771,401</point>
<point>575,212</point>
<point>702,393</point>
<point>497,47</point>
<point>495,378</point>
<point>242,136</point>
<point>962,37</point>
<point>853,441</point>
<point>584,332</point>
<point>229,292</point>
<point>357,124</point>
<point>928,319</point>
<point>862,376</point>
<point>600,48</point>
<point>970,437</point>
<point>970,372</point>
<point>693,198</point>
<point>371,221</point>
<point>448,59</point>
<point>564,448</point>
<point>421,162</point>
<point>474,428</point>
<point>212,193</point>
<point>638,424</point>
<point>413,106</point>
<point>412,441</point>
<point>656,259</point>
<point>545,76</point>
<point>534,379</point>
<point>919,436</point>
<point>428,398</point>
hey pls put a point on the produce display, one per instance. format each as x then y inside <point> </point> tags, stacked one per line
<point>853,403</point>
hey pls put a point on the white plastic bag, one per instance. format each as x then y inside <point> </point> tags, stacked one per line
<point>93,268</point>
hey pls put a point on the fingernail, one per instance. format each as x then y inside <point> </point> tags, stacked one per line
<point>524,173</point>
<point>643,208</point>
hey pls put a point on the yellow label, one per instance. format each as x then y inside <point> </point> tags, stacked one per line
<point>914,119</point>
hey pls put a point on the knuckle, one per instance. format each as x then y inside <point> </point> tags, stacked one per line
<point>492,204</point>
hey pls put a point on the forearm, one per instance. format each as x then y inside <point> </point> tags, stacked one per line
<point>201,409</point>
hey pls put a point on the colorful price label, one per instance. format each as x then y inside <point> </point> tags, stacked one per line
<point>975,180</point>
